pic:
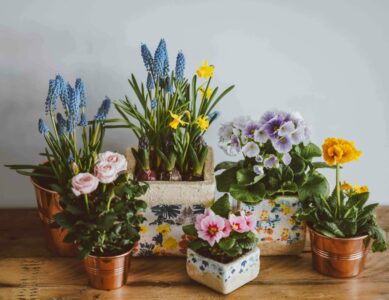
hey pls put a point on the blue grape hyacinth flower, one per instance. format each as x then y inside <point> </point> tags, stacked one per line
<point>153,104</point>
<point>79,86</point>
<point>161,62</point>
<point>83,121</point>
<point>42,127</point>
<point>150,82</point>
<point>103,110</point>
<point>147,57</point>
<point>61,124</point>
<point>73,103</point>
<point>180,66</point>
<point>52,95</point>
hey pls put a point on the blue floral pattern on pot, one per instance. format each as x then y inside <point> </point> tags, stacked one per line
<point>276,224</point>
<point>161,233</point>
<point>221,277</point>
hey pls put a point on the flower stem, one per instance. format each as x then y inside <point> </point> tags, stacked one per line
<point>338,189</point>
<point>86,202</point>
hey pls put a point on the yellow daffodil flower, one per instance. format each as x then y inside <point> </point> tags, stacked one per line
<point>360,189</point>
<point>339,151</point>
<point>176,121</point>
<point>203,123</point>
<point>205,70</point>
<point>207,92</point>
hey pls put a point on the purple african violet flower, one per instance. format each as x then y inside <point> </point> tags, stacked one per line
<point>258,170</point>
<point>286,129</point>
<point>250,129</point>
<point>296,118</point>
<point>286,159</point>
<point>266,117</point>
<point>297,135</point>
<point>225,132</point>
<point>251,149</point>
<point>260,136</point>
<point>241,122</point>
<point>271,161</point>
<point>231,148</point>
<point>271,127</point>
<point>282,144</point>
<point>259,158</point>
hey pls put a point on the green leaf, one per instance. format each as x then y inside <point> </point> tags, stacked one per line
<point>358,200</point>
<point>245,176</point>
<point>333,228</point>
<point>189,229</point>
<point>297,164</point>
<point>106,221</point>
<point>227,243</point>
<point>322,165</point>
<point>226,179</point>
<point>225,165</point>
<point>368,210</point>
<point>197,244</point>
<point>316,185</point>
<point>310,151</point>
<point>379,243</point>
<point>222,206</point>
<point>62,220</point>
<point>252,194</point>
<point>287,174</point>
<point>234,251</point>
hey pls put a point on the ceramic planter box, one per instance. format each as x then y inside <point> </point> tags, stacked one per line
<point>223,278</point>
<point>278,231</point>
<point>171,205</point>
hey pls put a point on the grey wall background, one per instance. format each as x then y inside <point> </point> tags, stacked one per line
<point>326,59</point>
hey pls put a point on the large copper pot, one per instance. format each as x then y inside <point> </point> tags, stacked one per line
<point>339,257</point>
<point>48,207</point>
<point>107,272</point>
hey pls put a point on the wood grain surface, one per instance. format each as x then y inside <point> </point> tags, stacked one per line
<point>29,271</point>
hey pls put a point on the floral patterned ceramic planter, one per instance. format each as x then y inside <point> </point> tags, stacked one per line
<point>278,231</point>
<point>171,205</point>
<point>223,278</point>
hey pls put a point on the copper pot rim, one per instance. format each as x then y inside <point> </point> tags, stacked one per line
<point>112,256</point>
<point>362,237</point>
<point>37,185</point>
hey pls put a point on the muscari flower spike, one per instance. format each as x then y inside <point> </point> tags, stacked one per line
<point>180,66</point>
<point>153,104</point>
<point>42,127</point>
<point>147,57</point>
<point>161,62</point>
<point>103,110</point>
<point>81,89</point>
<point>150,82</point>
<point>69,126</point>
<point>83,121</point>
<point>213,116</point>
<point>61,124</point>
<point>63,94</point>
<point>52,95</point>
<point>73,103</point>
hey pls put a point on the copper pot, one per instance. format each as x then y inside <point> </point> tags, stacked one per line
<point>107,272</point>
<point>48,207</point>
<point>339,257</point>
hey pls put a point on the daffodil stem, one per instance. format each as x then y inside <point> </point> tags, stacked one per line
<point>338,188</point>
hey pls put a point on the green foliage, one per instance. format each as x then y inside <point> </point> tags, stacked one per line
<point>349,217</point>
<point>299,177</point>
<point>232,246</point>
<point>109,225</point>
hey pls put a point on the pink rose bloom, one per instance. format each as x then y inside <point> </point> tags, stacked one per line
<point>200,217</point>
<point>116,159</point>
<point>211,229</point>
<point>238,223</point>
<point>84,183</point>
<point>105,172</point>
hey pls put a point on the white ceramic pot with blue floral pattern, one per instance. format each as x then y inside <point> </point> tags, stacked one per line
<point>277,229</point>
<point>223,278</point>
<point>170,205</point>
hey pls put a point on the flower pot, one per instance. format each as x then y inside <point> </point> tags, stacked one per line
<point>48,207</point>
<point>223,278</point>
<point>339,257</point>
<point>107,272</point>
<point>172,204</point>
<point>277,230</point>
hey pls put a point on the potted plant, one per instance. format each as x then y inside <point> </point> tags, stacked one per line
<point>102,215</point>
<point>169,122</point>
<point>62,157</point>
<point>342,227</point>
<point>277,161</point>
<point>222,253</point>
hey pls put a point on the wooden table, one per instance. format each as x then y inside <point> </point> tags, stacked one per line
<point>28,271</point>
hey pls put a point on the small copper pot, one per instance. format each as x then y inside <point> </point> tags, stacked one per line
<point>107,272</point>
<point>48,207</point>
<point>339,257</point>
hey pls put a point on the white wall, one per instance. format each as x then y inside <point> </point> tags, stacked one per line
<point>326,59</point>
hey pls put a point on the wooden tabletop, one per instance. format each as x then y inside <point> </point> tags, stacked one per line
<point>29,271</point>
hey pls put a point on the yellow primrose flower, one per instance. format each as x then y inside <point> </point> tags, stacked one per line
<point>203,123</point>
<point>170,243</point>
<point>207,92</point>
<point>205,70</point>
<point>360,189</point>
<point>143,229</point>
<point>346,186</point>
<point>164,229</point>
<point>176,121</point>
<point>339,151</point>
